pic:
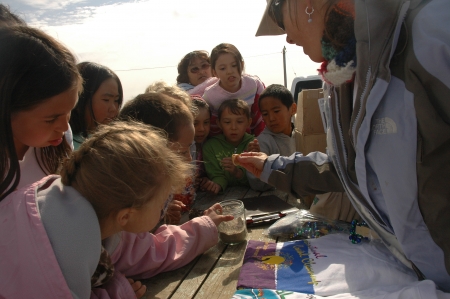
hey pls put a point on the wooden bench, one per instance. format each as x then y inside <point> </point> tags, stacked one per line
<point>214,274</point>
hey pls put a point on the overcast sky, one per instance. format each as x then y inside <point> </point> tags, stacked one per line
<point>143,41</point>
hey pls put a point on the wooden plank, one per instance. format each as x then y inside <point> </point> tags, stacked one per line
<point>252,193</point>
<point>208,199</point>
<point>236,192</point>
<point>196,277</point>
<point>165,284</point>
<point>221,282</point>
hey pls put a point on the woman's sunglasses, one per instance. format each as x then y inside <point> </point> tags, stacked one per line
<point>197,69</point>
<point>275,12</point>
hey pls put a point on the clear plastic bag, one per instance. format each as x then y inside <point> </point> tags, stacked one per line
<point>304,225</point>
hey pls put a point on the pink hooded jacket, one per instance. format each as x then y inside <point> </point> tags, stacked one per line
<point>29,258</point>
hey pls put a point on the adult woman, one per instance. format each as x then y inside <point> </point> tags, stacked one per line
<point>193,69</point>
<point>384,106</point>
<point>99,103</point>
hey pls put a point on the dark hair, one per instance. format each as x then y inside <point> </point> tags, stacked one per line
<point>279,92</point>
<point>236,106</point>
<point>225,48</point>
<point>158,110</point>
<point>186,62</point>
<point>199,103</point>
<point>93,75</point>
<point>33,68</point>
<point>7,18</point>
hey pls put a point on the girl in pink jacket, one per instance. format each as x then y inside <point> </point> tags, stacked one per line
<point>86,233</point>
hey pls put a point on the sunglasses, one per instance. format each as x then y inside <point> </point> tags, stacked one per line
<point>197,69</point>
<point>276,14</point>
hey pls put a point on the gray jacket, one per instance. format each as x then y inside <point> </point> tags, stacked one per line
<point>388,135</point>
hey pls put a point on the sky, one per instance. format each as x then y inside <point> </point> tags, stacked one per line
<point>143,40</point>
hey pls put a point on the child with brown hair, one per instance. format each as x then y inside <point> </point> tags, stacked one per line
<point>202,123</point>
<point>227,64</point>
<point>112,189</point>
<point>39,86</point>
<point>176,118</point>
<point>234,120</point>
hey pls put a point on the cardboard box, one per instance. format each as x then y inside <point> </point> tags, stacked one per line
<point>310,143</point>
<point>308,120</point>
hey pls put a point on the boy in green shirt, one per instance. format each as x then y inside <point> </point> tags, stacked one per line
<point>234,120</point>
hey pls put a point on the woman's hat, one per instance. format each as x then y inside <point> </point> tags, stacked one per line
<point>267,25</point>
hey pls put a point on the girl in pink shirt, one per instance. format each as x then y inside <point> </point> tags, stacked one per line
<point>227,65</point>
<point>89,227</point>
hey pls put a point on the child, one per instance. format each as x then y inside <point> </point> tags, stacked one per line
<point>111,190</point>
<point>99,103</point>
<point>234,120</point>
<point>201,126</point>
<point>39,86</point>
<point>176,119</point>
<point>277,107</point>
<point>228,65</point>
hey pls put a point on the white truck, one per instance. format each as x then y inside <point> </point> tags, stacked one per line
<point>300,83</point>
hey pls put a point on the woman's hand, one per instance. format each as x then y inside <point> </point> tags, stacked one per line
<point>253,146</point>
<point>253,162</point>
<point>138,288</point>
<point>215,213</point>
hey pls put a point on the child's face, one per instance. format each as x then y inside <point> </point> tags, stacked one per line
<point>202,125</point>
<point>183,144</point>
<point>198,71</point>
<point>45,124</point>
<point>234,126</point>
<point>277,116</point>
<point>227,70</point>
<point>105,103</point>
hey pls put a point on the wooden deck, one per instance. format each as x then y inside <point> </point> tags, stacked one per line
<point>214,274</point>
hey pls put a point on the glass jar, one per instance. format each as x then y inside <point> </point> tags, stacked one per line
<point>234,231</point>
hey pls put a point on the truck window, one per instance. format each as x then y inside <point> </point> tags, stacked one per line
<point>307,84</point>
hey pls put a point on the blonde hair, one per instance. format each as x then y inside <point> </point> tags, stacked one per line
<point>173,91</point>
<point>123,165</point>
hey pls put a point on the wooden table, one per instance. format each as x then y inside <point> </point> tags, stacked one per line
<point>214,274</point>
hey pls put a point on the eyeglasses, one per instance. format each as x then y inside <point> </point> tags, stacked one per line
<point>276,14</point>
<point>203,67</point>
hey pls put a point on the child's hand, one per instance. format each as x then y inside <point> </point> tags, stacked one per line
<point>253,146</point>
<point>215,212</point>
<point>173,214</point>
<point>138,288</point>
<point>212,187</point>
<point>253,162</point>
<point>228,165</point>
<point>204,182</point>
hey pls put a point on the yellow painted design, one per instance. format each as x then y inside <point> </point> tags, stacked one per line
<point>273,259</point>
